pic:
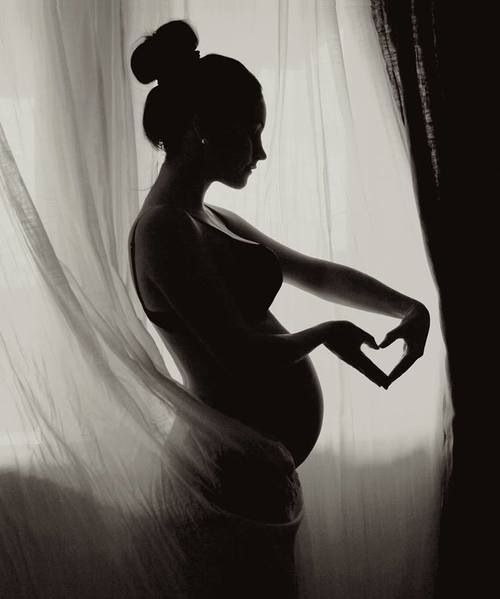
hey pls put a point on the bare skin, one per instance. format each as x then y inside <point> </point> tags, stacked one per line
<point>255,371</point>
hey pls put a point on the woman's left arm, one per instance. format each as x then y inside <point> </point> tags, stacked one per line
<point>345,285</point>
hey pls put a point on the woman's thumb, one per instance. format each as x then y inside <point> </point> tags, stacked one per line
<point>389,338</point>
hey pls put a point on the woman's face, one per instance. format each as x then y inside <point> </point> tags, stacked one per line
<point>233,150</point>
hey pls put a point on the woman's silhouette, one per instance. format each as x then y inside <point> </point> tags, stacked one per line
<point>206,277</point>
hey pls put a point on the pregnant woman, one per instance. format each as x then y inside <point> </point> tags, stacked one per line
<point>206,278</point>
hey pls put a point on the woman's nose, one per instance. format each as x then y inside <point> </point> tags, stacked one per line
<point>260,154</point>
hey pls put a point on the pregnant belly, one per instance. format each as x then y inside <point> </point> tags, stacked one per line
<point>292,408</point>
<point>287,407</point>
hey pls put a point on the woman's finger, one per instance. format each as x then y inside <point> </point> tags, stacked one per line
<point>402,367</point>
<point>369,369</point>
<point>369,340</point>
<point>391,337</point>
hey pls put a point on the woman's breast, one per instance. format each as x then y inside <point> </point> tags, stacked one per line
<point>252,273</point>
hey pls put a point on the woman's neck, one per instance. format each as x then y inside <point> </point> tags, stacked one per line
<point>181,185</point>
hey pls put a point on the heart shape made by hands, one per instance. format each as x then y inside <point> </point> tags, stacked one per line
<point>385,358</point>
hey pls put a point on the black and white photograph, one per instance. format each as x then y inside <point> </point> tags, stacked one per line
<point>231,341</point>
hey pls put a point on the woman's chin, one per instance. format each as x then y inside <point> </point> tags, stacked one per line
<point>237,182</point>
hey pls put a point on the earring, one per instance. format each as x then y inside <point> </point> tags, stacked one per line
<point>203,141</point>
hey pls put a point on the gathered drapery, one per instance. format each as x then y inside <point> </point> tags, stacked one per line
<point>422,58</point>
<point>94,414</point>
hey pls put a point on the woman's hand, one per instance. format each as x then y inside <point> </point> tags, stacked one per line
<point>413,329</point>
<point>345,340</point>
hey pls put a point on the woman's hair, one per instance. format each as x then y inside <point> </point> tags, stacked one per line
<point>216,88</point>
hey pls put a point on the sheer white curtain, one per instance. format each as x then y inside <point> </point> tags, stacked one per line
<point>88,391</point>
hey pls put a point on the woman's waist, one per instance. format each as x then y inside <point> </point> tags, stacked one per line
<point>208,375</point>
<point>292,386</point>
<point>203,372</point>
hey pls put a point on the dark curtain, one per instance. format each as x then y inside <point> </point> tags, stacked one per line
<point>428,50</point>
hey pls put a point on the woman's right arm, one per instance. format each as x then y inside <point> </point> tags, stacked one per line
<point>178,264</point>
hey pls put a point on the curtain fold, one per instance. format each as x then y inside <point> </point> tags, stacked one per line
<point>424,56</point>
<point>94,451</point>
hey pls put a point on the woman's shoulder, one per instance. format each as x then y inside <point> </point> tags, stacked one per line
<point>167,242</point>
<point>163,224</point>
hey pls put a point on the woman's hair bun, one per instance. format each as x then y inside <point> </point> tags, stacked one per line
<point>170,49</point>
<point>216,88</point>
